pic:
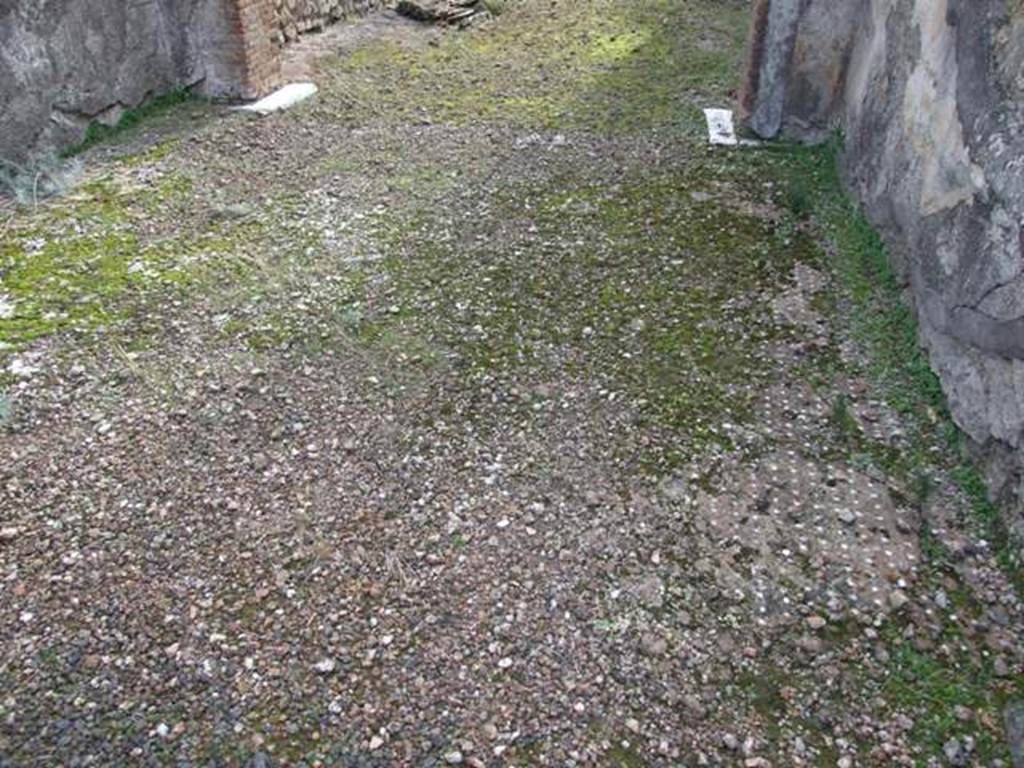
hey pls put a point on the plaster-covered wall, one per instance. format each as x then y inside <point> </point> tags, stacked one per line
<point>930,96</point>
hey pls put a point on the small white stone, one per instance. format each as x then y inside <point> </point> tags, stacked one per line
<point>283,98</point>
<point>376,742</point>
<point>505,663</point>
<point>22,368</point>
<point>325,666</point>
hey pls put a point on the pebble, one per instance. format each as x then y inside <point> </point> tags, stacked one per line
<point>1000,667</point>
<point>650,591</point>
<point>326,666</point>
<point>897,599</point>
<point>653,645</point>
<point>810,644</point>
<point>453,758</point>
<point>955,752</point>
<point>232,211</point>
<point>694,706</point>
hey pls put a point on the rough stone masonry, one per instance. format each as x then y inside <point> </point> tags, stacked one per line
<point>930,97</point>
<point>67,63</point>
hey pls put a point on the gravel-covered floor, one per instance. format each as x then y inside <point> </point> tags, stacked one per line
<point>475,412</point>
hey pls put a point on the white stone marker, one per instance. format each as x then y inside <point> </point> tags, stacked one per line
<point>721,131</point>
<point>282,98</point>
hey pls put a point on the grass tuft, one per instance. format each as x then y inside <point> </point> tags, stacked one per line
<point>98,133</point>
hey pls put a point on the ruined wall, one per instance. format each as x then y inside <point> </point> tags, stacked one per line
<point>66,63</point>
<point>295,17</point>
<point>930,96</point>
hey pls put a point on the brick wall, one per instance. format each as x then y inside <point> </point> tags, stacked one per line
<point>263,26</point>
<point>257,52</point>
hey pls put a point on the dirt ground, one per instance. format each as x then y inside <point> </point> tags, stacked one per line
<point>475,411</point>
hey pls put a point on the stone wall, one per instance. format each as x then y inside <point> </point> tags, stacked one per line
<point>295,17</point>
<point>67,63</point>
<point>930,96</point>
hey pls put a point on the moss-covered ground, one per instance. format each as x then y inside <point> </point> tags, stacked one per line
<point>506,244</point>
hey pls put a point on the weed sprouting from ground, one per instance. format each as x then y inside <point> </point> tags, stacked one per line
<point>798,199</point>
<point>98,132</point>
<point>842,420</point>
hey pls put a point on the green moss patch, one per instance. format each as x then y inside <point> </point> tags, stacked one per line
<point>565,69</point>
<point>90,260</point>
